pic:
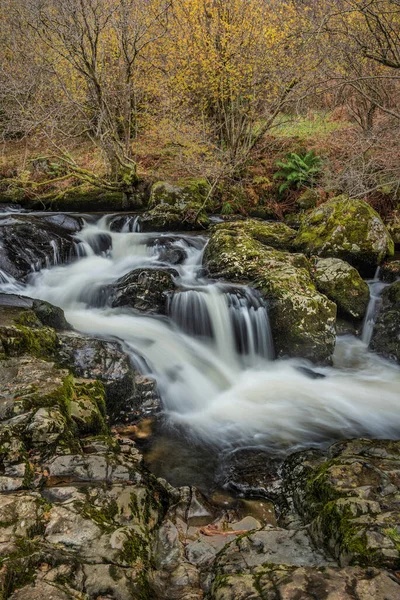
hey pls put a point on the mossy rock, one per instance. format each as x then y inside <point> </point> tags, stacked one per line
<point>192,191</point>
<point>393,226</point>
<point>307,200</point>
<point>357,528</point>
<point>386,334</point>
<point>302,319</point>
<point>343,284</point>
<point>21,332</point>
<point>182,217</point>
<point>390,271</point>
<point>348,229</point>
<point>87,407</point>
<point>274,234</point>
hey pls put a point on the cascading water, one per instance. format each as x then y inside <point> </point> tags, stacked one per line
<point>212,355</point>
<point>375,289</point>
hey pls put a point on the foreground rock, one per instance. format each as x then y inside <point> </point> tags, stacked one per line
<point>342,283</point>
<point>145,290</point>
<point>386,335</point>
<point>348,229</point>
<point>28,243</point>
<point>350,499</point>
<point>81,518</point>
<point>302,319</point>
<point>178,207</point>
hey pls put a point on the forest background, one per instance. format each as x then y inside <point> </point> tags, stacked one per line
<point>263,99</point>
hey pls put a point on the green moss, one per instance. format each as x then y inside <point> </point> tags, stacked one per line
<point>348,229</point>
<point>19,568</point>
<point>135,548</point>
<point>88,408</point>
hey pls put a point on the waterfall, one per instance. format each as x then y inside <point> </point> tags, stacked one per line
<point>212,354</point>
<point>375,289</point>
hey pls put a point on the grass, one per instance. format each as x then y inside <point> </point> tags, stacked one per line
<point>313,126</point>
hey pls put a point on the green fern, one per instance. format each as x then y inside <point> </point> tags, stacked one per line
<point>296,170</point>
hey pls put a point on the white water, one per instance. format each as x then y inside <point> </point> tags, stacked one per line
<point>375,289</point>
<point>212,357</point>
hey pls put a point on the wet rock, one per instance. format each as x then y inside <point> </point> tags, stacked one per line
<point>390,271</point>
<point>350,498</point>
<point>386,334</point>
<point>168,252</point>
<point>144,290</point>
<point>342,283</point>
<point>302,319</point>
<point>69,223</point>
<point>103,360</point>
<point>29,243</point>
<point>50,315</point>
<point>348,229</point>
<point>251,473</point>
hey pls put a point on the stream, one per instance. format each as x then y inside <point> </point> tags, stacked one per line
<point>212,354</point>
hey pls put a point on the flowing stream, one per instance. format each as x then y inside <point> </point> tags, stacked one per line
<point>213,356</point>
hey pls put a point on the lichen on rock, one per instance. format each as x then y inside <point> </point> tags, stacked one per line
<point>346,228</point>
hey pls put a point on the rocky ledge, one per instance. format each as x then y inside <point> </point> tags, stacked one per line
<point>83,519</point>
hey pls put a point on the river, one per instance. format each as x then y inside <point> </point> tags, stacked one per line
<point>212,354</point>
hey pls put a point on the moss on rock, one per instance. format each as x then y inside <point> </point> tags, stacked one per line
<point>275,234</point>
<point>343,284</point>
<point>302,319</point>
<point>386,335</point>
<point>348,229</point>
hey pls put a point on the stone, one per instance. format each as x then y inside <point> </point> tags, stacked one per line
<point>29,243</point>
<point>390,271</point>
<point>348,229</point>
<point>386,334</point>
<point>349,498</point>
<point>270,233</point>
<point>144,290</point>
<point>308,199</point>
<point>342,284</point>
<point>302,319</point>
<point>178,206</point>
<point>393,226</point>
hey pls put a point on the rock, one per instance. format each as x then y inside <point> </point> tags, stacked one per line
<point>29,243</point>
<point>177,207</point>
<point>306,583</point>
<point>308,199</point>
<point>179,194</point>
<point>302,319</point>
<point>145,290</point>
<point>103,360</point>
<point>164,217</point>
<point>348,229</point>
<point>274,234</point>
<point>251,473</point>
<point>50,315</point>
<point>386,334</point>
<point>167,251</point>
<point>350,498</point>
<point>342,283</point>
<point>390,271</point>
<point>393,226</point>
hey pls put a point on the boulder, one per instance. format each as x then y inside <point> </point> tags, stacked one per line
<point>393,226</point>
<point>343,284</point>
<point>302,319</point>
<point>308,199</point>
<point>180,206</point>
<point>144,290</point>
<point>29,243</point>
<point>348,229</point>
<point>390,271</point>
<point>386,334</point>
<point>270,233</point>
<point>349,499</point>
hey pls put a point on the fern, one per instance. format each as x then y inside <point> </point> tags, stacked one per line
<point>227,209</point>
<point>297,170</point>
